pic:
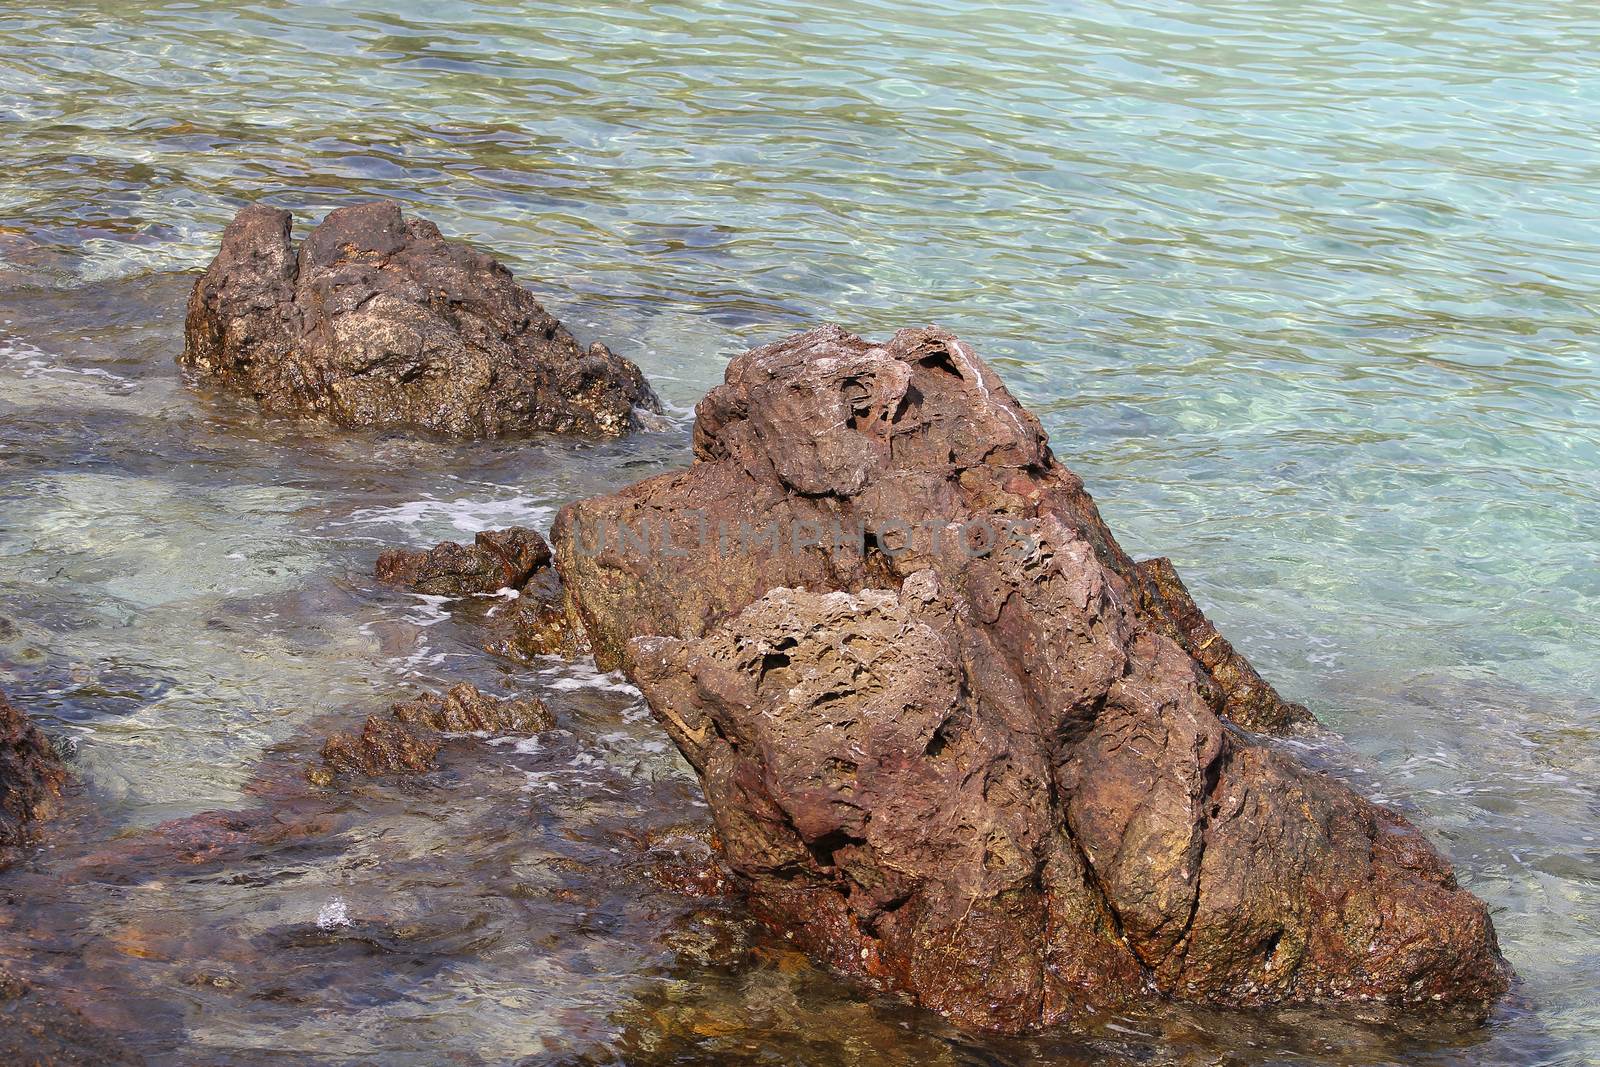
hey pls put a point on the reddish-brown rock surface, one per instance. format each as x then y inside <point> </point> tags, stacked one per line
<point>36,1031</point>
<point>31,776</point>
<point>958,742</point>
<point>463,709</point>
<point>408,742</point>
<point>536,622</point>
<point>377,320</point>
<point>496,559</point>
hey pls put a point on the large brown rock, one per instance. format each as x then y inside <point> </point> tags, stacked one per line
<point>377,320</point>
<point>31,776</point>
<point>959,743</point>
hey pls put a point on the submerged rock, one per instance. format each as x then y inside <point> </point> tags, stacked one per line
<point>956,741</point>
<point>496,559</point>
<point>408,742</point>
<point>377,320</point>
<point>464,709</point>
<point>31,776</point>
<point>37,1031</point>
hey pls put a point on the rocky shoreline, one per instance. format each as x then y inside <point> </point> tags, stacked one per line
<point>956,743</point>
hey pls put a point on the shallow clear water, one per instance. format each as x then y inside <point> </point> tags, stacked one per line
<point>1305,292</point>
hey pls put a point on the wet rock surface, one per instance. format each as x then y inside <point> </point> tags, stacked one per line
<point>37,1032</point>
<point>381,747</point>
<point>687,860</point>
<point>465,709</point>
<point>376,320</point>
<point>538,623</point>
<point>409,741</point>
<point>496,559</point>
<point>31,776</point>
<point>331,911</point>
<point>1010,781</point>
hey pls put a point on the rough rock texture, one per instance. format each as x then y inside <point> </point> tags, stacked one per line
<point>383,747</point>
<point>377,320</point>
<point>538,623</point>
<point>466,710</point>
<point>824,434</point>
<point>496,559</point>
<point>31,776</point>
<point>409,741</point>
<point>1001,773</point>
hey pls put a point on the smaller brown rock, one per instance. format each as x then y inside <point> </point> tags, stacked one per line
<point>409,741</point>
<point>538,623</point>
<point>376,320</point>
<point>31,776</point>
<point>465,709</point>
<point>382,747</point>
<point>497,559</point>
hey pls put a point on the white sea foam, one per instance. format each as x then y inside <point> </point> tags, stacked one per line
<point>32,361</point>
<point>584,675</point>
<point>465,514</point>
<point>334,913</point>
<point>430,610</point>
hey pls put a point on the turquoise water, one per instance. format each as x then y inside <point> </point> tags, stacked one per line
<point>1306,292</point>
